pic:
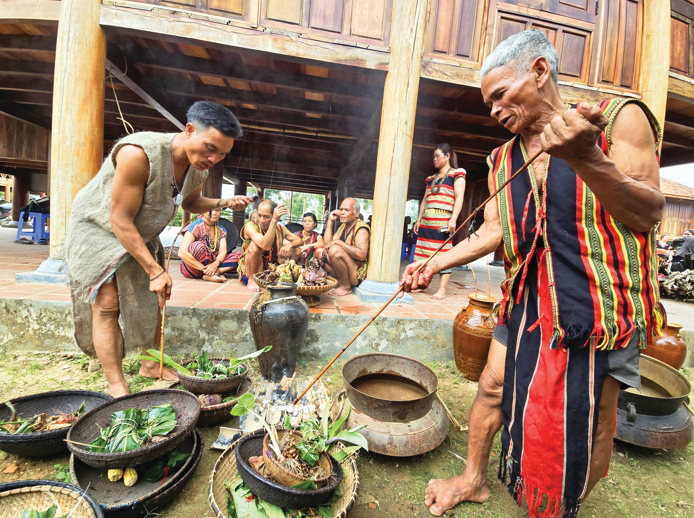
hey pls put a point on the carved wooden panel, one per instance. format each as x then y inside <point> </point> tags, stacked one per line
<point>368,17</point>
<point>229,6</point>
<point>327,15</point>
<point>620,50</point>
<point>681,36</point>
<point>455,28</point>
<point>573,43</point>
<point>578,9</point>
<point>288,11</point>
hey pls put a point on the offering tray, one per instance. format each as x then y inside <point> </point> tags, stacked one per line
<point>216,414</point>
<point>86,429</point>
<point>198,385</point>
<point>41,494</point>
<point>311,294</point>
<point>118,500</point>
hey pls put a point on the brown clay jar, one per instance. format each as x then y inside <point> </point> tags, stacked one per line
<point>472,336</point>
<point>668,348</point>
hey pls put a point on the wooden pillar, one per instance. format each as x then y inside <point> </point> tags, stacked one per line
<point>655,56</point>
<point>345,185</point>
<point>20,194</point>
<point>78,110</point>
<point>212,188</point>
<point>239,218</point>
<point>395,138</point>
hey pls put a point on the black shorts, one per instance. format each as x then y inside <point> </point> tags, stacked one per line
<point>624,363</point>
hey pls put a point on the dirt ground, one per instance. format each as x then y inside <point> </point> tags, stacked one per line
<point>641,482</point>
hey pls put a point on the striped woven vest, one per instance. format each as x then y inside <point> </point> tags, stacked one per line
<point>349,240</point>
<point>603,276</point>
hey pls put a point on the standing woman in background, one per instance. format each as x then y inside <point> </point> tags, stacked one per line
<point>439,210</point>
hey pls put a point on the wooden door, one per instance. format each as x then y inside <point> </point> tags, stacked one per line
<point>681,38</point>
<point>671,218</point>
<point>455,27</point>
<point>585,10</point>
<point>621,43</point>
<point>686,209</point>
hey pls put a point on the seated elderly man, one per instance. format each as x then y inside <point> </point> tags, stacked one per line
<point>346,252</point>
<point>581,296</point>
<point>203,250</point>
<point>266,241</point>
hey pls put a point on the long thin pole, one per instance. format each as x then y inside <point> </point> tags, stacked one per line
<point>163,311</point>
<point>421,267</point>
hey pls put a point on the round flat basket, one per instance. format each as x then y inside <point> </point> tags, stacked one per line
<point>304,291</point>
<point>127,502</point>
<point>216,414</point>
<point>198,385</point>
<point>87,428</point>
<point>225,469</point>
<point>40,495</point>
<point>52,403</point>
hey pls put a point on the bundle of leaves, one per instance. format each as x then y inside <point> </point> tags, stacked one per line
<point>48,513</point>
<point>162,468</point>
<point>203,367</point>
<point>241,503</point>
<point>40,422</point>
<point>134,428</point>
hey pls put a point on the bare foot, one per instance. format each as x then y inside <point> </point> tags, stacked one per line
<point>341,291</point>
<point>439,295</point>
<point>419,290</point>
<point>213,278</point>
<point>252,286</point>
<point>150,369</point>
<point>118,389</point>
<point>442,495</point>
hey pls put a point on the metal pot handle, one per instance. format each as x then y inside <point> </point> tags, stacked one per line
<point>632,412</point>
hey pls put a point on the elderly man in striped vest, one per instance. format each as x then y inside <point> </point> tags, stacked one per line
<point>581,293</point>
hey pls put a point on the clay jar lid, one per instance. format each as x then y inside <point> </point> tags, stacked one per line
<point>481,298</point>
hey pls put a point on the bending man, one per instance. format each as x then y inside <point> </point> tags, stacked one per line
<point>346,253</point>
<point>114,256</point>
<point>581,294</point>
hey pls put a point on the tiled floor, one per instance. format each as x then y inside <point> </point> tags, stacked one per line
<point>16,258</point>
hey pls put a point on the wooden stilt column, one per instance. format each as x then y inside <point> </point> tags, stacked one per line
<point>395,142</point>
<point>78,110</point>
<point>655,56</point>
<point>20,194</point>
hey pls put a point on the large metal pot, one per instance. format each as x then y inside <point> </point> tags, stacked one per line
<point>282,322</point>
<point>663,390</point>
<point>394,365</point>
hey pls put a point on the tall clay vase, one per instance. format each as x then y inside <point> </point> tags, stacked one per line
<point>669,348</point>
<point>282,322</point>
<point>472,336</point>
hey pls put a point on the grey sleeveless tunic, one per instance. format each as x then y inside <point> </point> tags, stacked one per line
<point>94,255</point>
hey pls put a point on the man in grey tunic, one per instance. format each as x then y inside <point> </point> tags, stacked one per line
<point>114,256</point>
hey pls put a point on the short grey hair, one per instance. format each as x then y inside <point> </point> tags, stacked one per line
<point>522,49</point>
<point>357,206</point>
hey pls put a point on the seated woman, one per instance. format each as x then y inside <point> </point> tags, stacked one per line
<point>204,249</point>
<point>313,241</point>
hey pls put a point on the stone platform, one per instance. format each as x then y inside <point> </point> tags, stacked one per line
<point>215,316</point>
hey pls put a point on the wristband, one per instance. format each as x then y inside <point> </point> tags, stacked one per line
<point>157,275</point>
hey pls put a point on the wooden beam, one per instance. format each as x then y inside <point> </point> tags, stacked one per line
<point>366,139</point>
<point>160,59</point>
<point>127,81</point>
<point>655,56</point>
<point>217,93</point>
<point>283,167</point>
<point>26,68</point>
<point>677,140</point>
<point>463,129</point>
<point>674,117</point>
<point>271,44</point>
<point>297,120</point>
<point>26,42</point>
<point>676,156</point>
<point>23,113</point>
<point>681,89</point>
<point>30,11</point>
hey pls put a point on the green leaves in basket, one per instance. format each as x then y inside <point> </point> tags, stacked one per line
<point>131,428</point>
<point>309,485</point>
<point>341,455</point>
<point>163,468</point>
<point>244,405</point>
<point>48,513</point>
<point>207,369</point>
<point>155,356</point>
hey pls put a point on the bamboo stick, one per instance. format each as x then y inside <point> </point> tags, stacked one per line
<point>163,311</point>
<point>421,267</point>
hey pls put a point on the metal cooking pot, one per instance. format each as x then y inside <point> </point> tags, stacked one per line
<point>393,364</point>
<point>664,390</point>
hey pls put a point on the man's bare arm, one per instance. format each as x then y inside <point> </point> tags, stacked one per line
<point>263,241</point>
<point>360,250</point>
<point>197,204</point>
<point>129,180</point>
<point>627,182</point>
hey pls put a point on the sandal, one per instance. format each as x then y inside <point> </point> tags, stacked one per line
<point>24,241</point>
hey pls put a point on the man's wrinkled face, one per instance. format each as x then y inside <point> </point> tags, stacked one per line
<point>264,216</point>
<point>347,212</point>
<point>206,147</point>
<point>511,96</point>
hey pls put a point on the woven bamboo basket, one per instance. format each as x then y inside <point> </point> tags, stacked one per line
<point>198,385</point>
<point>305,291</point>
<point>280,474</point>
<point>225,470</point>
<point>41,497</point>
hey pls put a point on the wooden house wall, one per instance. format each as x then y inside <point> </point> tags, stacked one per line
<point>22,141</point>
<point>678,216</point>
<point>682,30</point>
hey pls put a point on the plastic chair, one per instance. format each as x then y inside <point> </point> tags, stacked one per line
<point>38,231</point>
